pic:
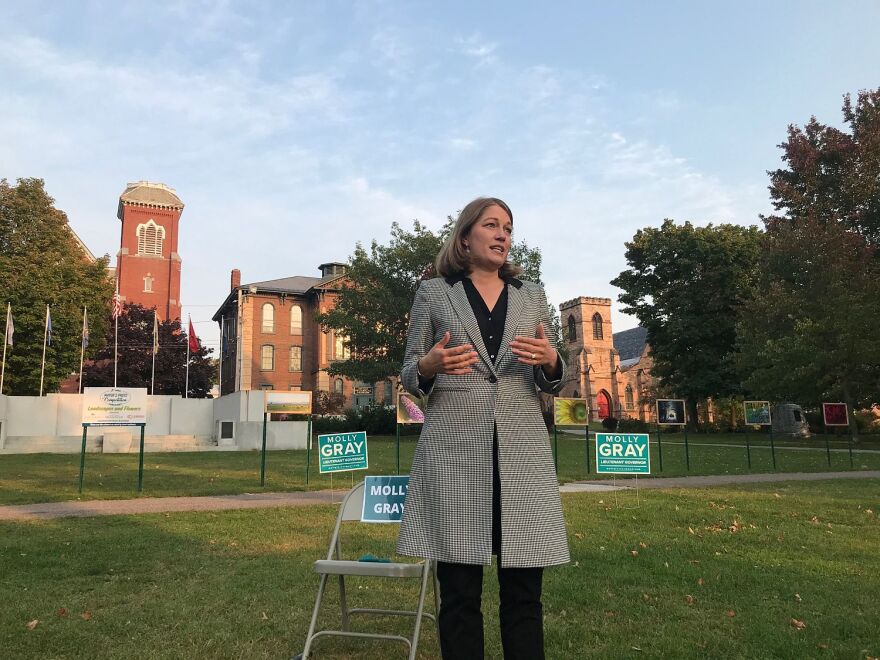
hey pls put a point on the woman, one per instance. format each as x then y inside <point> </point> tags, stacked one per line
<point>482,479</point>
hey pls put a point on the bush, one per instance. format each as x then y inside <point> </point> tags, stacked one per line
<point>867,422</point>
<point>632,425</point>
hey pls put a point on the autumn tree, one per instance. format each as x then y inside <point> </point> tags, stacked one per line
<point>832,175</point>
<point>684,284</point>
<point>372,310</point>
<point>811,332</point>
<point>135,357</point>
<point>42,263</point>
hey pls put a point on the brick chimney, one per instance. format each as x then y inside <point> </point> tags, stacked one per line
<point>235,279</point>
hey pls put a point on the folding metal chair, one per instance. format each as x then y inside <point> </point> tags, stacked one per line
<point>350,510</point>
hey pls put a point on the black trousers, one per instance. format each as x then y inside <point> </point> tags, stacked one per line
<point>520,612</point>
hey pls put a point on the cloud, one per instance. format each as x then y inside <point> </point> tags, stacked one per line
<point>476,46</point>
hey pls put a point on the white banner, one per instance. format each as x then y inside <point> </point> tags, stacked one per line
<point>114,405</point>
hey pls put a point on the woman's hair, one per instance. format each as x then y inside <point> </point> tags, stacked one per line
<point>453,259</point>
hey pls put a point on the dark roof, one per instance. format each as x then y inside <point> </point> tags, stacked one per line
<point>296,284</point>
<point>630,343</point>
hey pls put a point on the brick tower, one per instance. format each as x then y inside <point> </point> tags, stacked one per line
<point>148,265</point>
<point>593,369</point>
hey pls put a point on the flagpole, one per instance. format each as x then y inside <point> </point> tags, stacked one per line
<point>5,341</point>
<point>82,351</point>
<point>186,387</point>
<point>155,347</point>
<point>45,336</point>
<point>115,347</point>
<point>220,385</point>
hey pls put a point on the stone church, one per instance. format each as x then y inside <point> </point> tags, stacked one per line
<point>611,370</point>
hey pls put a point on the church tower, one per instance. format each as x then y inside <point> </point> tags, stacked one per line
<point>593,361</point>
<point>148,265</point>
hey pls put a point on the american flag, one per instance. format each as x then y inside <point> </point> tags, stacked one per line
<point>117,304</point>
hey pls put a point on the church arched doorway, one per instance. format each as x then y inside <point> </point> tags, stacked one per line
<point>603,402</point>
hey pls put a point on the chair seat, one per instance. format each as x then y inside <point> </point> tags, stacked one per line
<point>368,568</point>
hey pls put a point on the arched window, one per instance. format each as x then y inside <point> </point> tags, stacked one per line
<point>268,317</point>
<point>296,320</point>
<point>148,284</point>
<point>628,397</point>
<point>572,329</point>
<point>151,238</point>
<point>597,326</point>
<point>340,348</point>
<point>338,386</point>
<point>575,395</point>
<point>267,358</point>
<point>296,361</point>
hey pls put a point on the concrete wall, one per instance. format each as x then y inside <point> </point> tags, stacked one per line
<point>53,424</point>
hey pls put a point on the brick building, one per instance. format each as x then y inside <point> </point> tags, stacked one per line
<point>148,264</point>
<point>612,371</point>
<point>270,339</point>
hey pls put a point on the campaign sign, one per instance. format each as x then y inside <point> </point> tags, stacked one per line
<point>114,406</point>
<point>383,498</point>
<point>622,453</point>
<point>835,414</point>
<point>341,452</point>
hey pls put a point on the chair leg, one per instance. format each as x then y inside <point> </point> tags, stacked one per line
<point>426,575</point>
<point>305,653</point>
<point>343,603</point>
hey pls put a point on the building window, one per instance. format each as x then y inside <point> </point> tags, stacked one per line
<point>386,395</point>
<point>266,387</point>
<point>296,361</point>
<point>267,358</point>
<point>338,386</point>
<point>268,318</point>
<point>295,388</point>
<point>148,284</point>
<point>296,320</point>
<point>151,238</point>
<point>597,326</point>
<point>340,348</point>
<point>628,397</point>
<point>572,329</point>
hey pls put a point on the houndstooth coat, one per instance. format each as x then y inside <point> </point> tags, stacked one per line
<point>448,509</point>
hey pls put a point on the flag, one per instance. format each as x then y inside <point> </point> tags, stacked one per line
<point>155,332</point>
<point>117,304</point>
<point>193,340</point>
<point>49,325</point>
<point>85,337</point>
<point>10,328</point>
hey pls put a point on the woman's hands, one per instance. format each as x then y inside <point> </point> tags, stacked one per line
<point>455,361</point>
<point>535,351</point>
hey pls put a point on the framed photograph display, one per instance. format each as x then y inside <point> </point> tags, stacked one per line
<point>671,412</point>
<point>570,412</point>
<point>835,414</point>
<point>757,413</point>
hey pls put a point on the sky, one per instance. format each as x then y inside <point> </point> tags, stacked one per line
<point>294,130</point>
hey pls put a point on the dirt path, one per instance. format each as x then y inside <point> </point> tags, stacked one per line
<point>91,508</point>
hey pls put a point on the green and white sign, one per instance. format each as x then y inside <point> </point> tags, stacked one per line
<point>341,452</point>
<point>384,498</point>
<point>623,453</point>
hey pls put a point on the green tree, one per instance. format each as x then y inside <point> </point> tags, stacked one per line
<point>135,357</point>
<point>42,263</point>
<point>684,284</point>
<point>832,175</point>
<point>372,309</point>
<point>810,333</point>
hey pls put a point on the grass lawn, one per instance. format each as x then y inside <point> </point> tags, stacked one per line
<point>26,478</point>
<point>721,573</point>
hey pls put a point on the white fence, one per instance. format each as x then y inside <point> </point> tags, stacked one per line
<point>52,423</point>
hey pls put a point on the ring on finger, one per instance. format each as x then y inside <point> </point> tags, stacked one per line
<point>534,355</point>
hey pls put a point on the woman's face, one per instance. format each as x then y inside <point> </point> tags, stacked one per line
<point>489,239</point>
